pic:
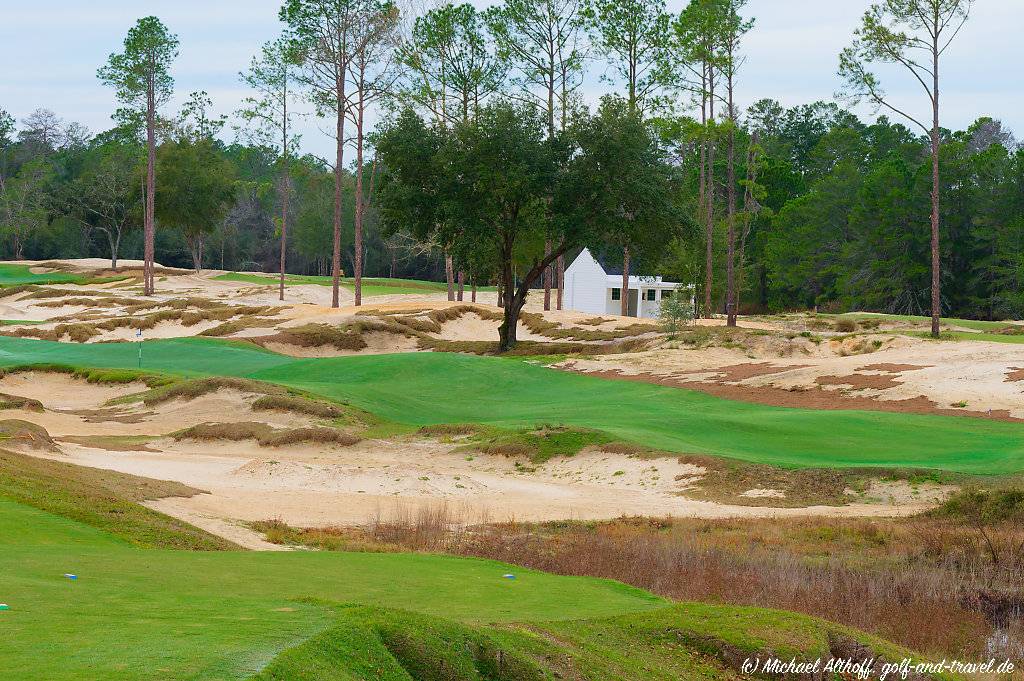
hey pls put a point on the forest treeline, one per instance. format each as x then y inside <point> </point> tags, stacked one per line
<point>793,208</point>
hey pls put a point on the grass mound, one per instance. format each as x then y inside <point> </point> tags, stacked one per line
<point>16,431</point>
<point>539,444</point>
<point>299,405</point>
<point>688,641</point>
<point>537,323</point>
<point>100,376</point>
<point>19,402</point>
<point>349,337</point>
<point>264,435</point>
<point>192,389</point>
<point>103,499</point>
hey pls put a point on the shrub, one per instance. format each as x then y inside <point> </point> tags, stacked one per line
<point>677,311</point>
<point>845,325</point>
<point>265,435</point>
<point>300,405</point>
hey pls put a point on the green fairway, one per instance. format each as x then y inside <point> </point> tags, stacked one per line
<point>372,286</point>
<point>135,613</point>
<point>431,388</point>
<point>982,330</point>
<point>16,275</point>
<point>978,324</point>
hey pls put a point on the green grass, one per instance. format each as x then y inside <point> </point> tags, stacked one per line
<point>689,641</point>
<point>166,613</point>
<point>372,286</point>
<point>978,324</point>
<point>983,330</point>
<point>419,389</point>
<point>16,275</point>
<point>171,614</point>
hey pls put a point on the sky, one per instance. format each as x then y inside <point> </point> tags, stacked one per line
<point>50,52</point>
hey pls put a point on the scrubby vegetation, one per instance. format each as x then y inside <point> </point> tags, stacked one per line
<point>929,584</point>
<point>266,436</point>
<point>537,445</point>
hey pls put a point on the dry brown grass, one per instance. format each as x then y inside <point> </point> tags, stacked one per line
<point>265,435</point>
<point>349,337</point>
<point>76,332</point>
<point>19,402</point>
<point>18,432</point>
<point>538,324</point>
<point>246,322</point>
<point>533,348</point>
<point>920,582</point>
<point>191,389</point>
<point>426,320</point>
<point>299,405</point>
<point>177,310</point>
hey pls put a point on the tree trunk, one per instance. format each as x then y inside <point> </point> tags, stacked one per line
<point>709,197</point>
<point>510,320</point>
<point>115,245</point>
<point>472,289</point>
<point>701,189</point>
<point>358,264</point>
<point>561,279</point>
<point>149,220</point>
<point>286,186</point>
<point>547,277</point>
<point>624,291</point>
<point>514,301</point>
<point>730,262</point>
<point>748,215</point>
<point>338,169</point>
<point>449,273</point>
<point>936,280</point>
<point>462,286</point>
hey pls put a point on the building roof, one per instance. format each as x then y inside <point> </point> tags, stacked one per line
<point>602,260</point>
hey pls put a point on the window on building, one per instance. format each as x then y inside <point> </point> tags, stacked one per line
<point>667,293</point>
<point>616,294</point>
<point>651,293</point>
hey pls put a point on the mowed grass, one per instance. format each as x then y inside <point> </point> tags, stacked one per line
<point>372,286</point>
<point>16,275</point>
<point>982,330</point>
<point>160,614</point>
<point>420,389</point>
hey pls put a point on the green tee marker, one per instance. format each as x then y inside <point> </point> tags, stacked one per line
<point>4,606</point>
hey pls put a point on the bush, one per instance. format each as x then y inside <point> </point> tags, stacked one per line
<point>845,325</point>
<point>677,311</point>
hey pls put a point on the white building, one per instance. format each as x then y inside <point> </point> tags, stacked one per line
<point>596,288</point>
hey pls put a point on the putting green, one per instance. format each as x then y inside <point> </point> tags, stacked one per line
<point>430,388</point>
<point>15,275</point>
<point>158,614</point>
